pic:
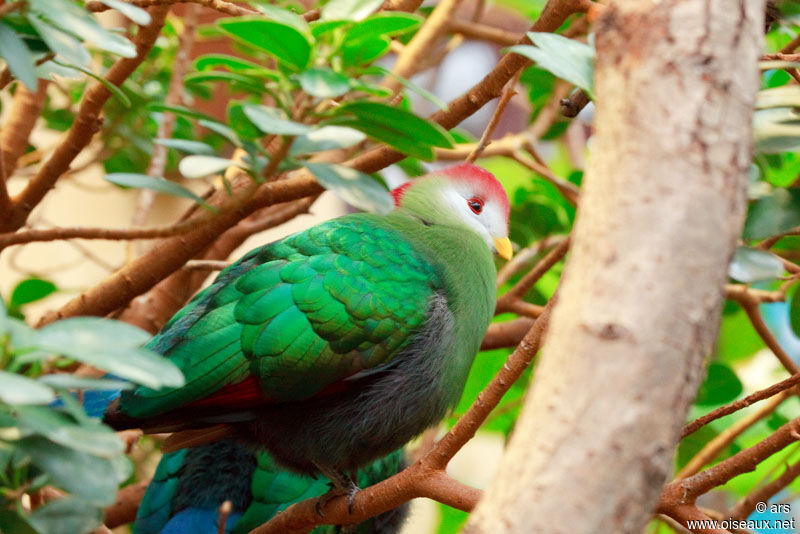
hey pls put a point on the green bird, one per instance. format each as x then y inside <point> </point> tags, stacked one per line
<point>189,486</point>
<point>337,345</point>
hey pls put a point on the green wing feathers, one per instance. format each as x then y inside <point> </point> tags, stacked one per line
<point>298,314</point>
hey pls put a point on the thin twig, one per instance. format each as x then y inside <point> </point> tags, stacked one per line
<point>747,505</point>
<point>419,46</point>
<point>516,293</point>
<point>508,93</point>
<point>711,449</point>
<point>224,512</point>
<point>728,409</point>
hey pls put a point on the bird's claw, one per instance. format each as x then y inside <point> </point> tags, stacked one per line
<point>349,492</point>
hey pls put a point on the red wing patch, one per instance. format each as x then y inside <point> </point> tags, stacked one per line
<point>244,394</point>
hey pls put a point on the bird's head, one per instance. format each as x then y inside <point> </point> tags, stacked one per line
<point>462,195</point>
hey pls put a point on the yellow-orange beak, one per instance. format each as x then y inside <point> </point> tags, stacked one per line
<point>503,246</point>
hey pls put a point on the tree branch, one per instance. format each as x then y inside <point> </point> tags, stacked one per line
<point>728,409</point>
<point>86,123</point>
<point>426,477</point>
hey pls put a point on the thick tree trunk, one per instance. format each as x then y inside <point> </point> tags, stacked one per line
<point>661,208</point>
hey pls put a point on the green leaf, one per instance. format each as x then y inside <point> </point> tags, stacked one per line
<point>185,145</point>
<point>15,521</point>
<point>794,311</point>
<point>273,121</point>
<point>287,44</point>
<point>221,129</point>
<point>364,51</point>
<point>349,9</point>
<point>355,187</point>
<point>284,16</point>
<point>135,14</point>
<point>243,81</point>
<point>65,381</point>
<point>179,110</point>
<point>324,82</point>
<point>326,138</point>
<point>721,386</point>
<point>18,57</point>
<point>74,20</point>
<point>754,265</point>
<point>424,93</point>
<point>116,91</point>
<point>321,27</point>
<point>396,127</point>
<point>95,438</point>
<point>786,96</point>
<point>234,64</point>
<point>67,515</point>
<point>84,475</point>
<point>567,58</point>
<point>61,43</point>
<point>30,290</point>
<point>773,214</point>
<point>199,166</point>
<point>242,126</point>
<point>142,181</point>
<point>776,130</point>
<point>112,346</point>
<point>19,389</point>
<point>383,24</point>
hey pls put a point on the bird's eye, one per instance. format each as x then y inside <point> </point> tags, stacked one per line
<point>475,204</point>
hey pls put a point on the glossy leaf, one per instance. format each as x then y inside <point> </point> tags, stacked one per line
<point>17,56</point>
<point>273,121</point>
<point>67,381</point>
<point>135,14</point>
<point>794,311</point>
<point>786,96</point>
<point>60,42</point>
<point>84,475</point>
<point>96,439</point>
<point>30,290</point>
<point>353,186</point>
<point>113,89</point>
<point>19,389</point>
<point>349,9</point>
<point>72,19</point>
<point>283,15</point>
<point>326,138</point>
<point>396,127</point>
<point>567,58</point>
<point>179,110</point>
<point>186,145</point>
<point>112,346</point>
<point>383,24</point>
<point>773,214</point>
<point>67,515</point>
<point>721,386</point>
<point>324,82</point>
<point>364,51</point>
<point>241,124</point>
<point>199,166</point>
<point>234,64</point>
<point>142,181</point>
<point>754,265</point>
<point>237,81</point>
<point>287,44</point>
<point>776,130</point>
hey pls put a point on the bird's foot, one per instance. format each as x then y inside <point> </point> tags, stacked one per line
<point>342,484</point>
<point>335,492</point>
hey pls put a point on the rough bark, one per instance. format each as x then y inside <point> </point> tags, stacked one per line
<point>661,208</point>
